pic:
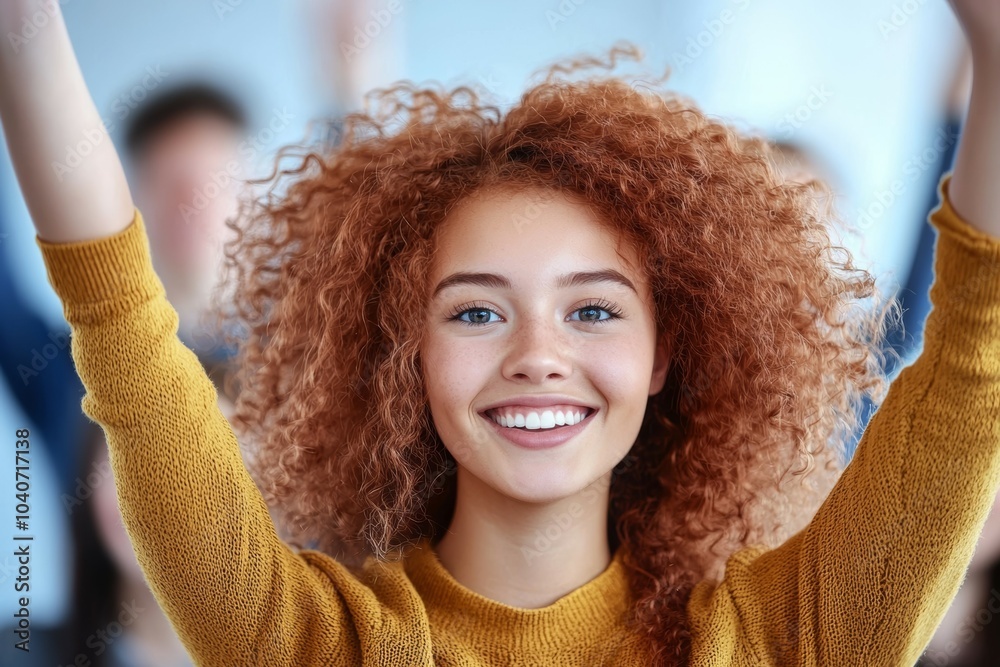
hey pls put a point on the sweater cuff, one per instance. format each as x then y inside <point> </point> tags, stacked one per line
<point>967,259</point>
<point>96,277</point>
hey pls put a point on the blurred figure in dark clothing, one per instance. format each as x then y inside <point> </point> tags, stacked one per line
<point>35,360</point>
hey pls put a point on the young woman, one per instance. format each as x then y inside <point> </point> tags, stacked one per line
<point>529,385</point>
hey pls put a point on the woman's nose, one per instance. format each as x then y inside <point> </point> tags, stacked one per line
<point>538,350</point>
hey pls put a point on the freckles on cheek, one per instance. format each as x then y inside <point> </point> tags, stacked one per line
<point>456,374</point>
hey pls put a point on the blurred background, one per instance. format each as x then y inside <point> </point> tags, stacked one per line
<point>198,95</point>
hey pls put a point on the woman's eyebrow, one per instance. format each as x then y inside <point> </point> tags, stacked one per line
<point>496,281</point>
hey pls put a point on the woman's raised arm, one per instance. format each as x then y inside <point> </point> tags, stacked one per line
<point>46,110</point>
<point>872,575</point>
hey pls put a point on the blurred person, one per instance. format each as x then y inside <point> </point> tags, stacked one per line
<point>178,144</point>
<point>358,46</point>
<point>367,391</point>
<point>187,158</point>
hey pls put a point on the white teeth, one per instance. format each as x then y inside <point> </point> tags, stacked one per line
<point>538,420</point>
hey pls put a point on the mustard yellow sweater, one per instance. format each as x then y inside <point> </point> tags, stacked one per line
<point>866,583</point>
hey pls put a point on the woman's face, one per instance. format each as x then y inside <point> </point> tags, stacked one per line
<point>591,340</point>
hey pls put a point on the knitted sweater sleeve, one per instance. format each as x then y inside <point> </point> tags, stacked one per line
<point>233,591</point>
<point>871,576</point>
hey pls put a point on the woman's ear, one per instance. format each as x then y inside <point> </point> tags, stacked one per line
<point>661,364</point>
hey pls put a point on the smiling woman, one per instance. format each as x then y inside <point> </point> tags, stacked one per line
<point>596,246</point>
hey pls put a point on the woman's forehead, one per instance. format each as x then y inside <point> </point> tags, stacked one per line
<point>529,228</point>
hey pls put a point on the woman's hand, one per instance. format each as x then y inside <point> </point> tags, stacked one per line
<point>974,192</point>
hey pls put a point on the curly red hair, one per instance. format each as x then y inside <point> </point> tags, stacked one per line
<point>773,350</point>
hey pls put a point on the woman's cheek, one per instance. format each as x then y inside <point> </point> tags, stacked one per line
<point>456,376</point>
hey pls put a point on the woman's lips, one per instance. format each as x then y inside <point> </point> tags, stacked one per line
<point>540,438</point>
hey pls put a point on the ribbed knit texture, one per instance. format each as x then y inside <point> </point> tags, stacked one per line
<point>865,583</point>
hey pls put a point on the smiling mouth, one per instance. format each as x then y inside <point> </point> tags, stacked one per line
<point>535,424</point>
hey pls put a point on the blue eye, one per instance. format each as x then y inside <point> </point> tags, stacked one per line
<point>613,315</point>
<point>482,312</point>
<point>478,311</point>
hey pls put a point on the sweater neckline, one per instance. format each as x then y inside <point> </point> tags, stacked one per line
<point>591,611</point>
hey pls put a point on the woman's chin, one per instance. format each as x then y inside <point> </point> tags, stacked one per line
<point>540,487</point>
